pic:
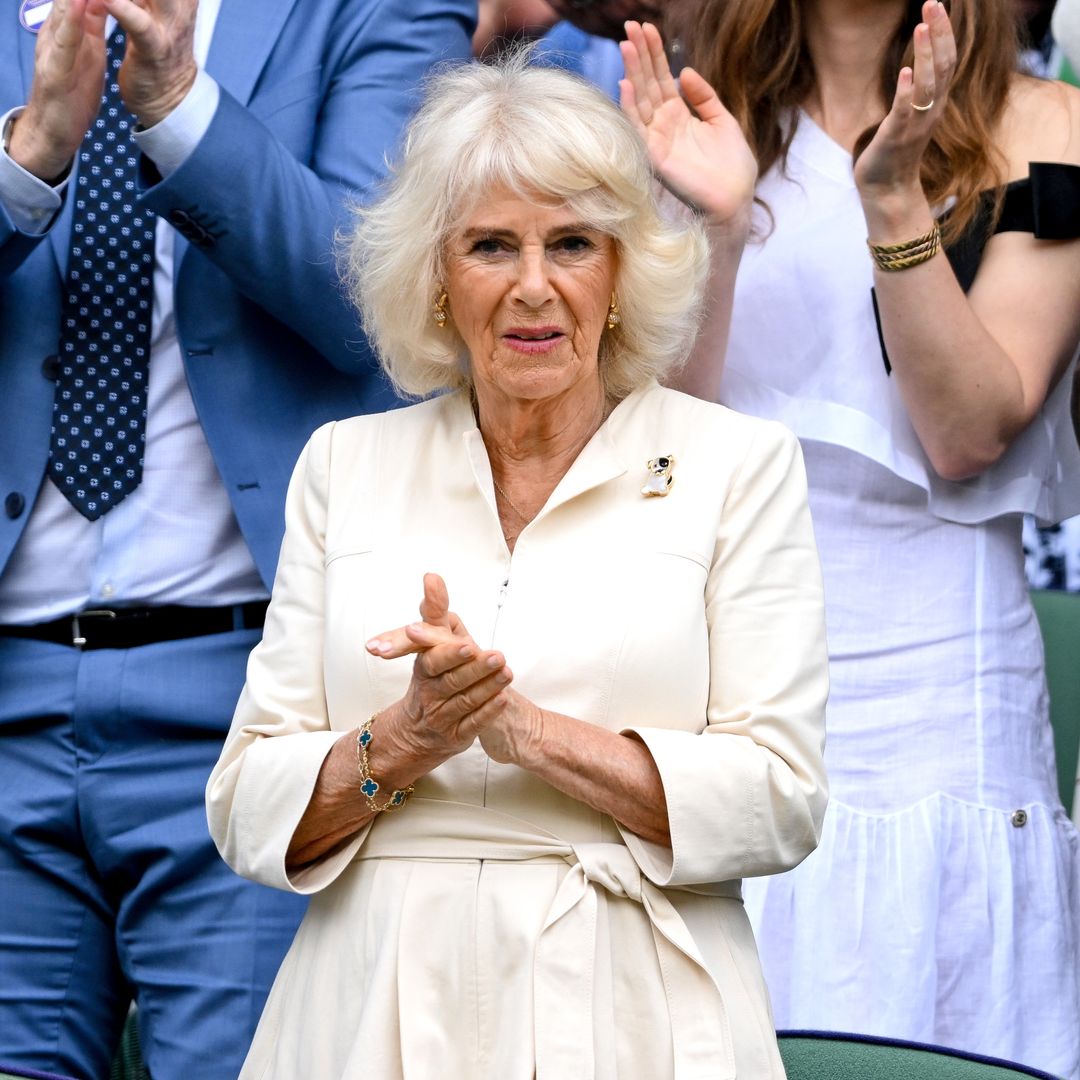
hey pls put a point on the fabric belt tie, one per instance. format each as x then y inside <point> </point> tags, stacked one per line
<point>130,627</point>
<point>563,991</point>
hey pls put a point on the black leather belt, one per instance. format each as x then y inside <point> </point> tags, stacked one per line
<point>127,628</point>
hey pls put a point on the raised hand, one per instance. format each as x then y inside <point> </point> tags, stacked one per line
<point>453,679</point>
<point>696,146</point>
<point>65,95</point>
<point>891,163</point>
<point>159,62</point>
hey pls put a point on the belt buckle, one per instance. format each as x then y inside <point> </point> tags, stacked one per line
<point>77,639</point>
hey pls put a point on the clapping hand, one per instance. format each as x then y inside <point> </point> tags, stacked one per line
<point>696,146</point>
<point>458,692</point>
<point>891,162</point>
<point>159,62</point>
<point>69,74</point>
<point>454,684</point>
<point>65,94</point>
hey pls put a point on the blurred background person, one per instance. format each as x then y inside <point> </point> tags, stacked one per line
<point>500,23</point>
<point>930,390</point>
<point>1039,54</point>
<point>523,845</point>
<point>172,332</point>
<point>1065,26</point>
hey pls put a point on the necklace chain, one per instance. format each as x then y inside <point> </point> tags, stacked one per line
<point>510,502</point>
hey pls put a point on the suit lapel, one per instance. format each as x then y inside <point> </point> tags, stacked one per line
<point>245,32</point>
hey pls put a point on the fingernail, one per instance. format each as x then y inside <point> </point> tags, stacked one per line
<point>374,645</point>
<point>494,661</point>
<point>465,650</point>
<point>503,677</point>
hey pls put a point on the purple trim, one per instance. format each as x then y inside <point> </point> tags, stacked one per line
<point>31,1074</point>
<point>903,1044</point>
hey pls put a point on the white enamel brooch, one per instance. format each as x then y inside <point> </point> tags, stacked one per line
<point>659,479</point>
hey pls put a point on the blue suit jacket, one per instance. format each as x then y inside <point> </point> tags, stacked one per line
<point>314,95</point>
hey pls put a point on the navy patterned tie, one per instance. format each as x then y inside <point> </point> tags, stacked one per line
<point>99,412</point>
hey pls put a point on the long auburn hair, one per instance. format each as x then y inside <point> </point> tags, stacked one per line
<point>754,53</point>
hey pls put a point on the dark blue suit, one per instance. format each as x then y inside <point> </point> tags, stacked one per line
<point>106,873</point>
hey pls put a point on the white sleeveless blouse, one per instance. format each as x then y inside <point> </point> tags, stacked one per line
<point>805,350</point>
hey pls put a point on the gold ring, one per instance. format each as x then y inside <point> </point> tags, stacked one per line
<point>923,108</point>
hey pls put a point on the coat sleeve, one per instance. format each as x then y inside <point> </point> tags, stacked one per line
<point>747,795</point>
<point>267,220</point>
<point>280,732</point>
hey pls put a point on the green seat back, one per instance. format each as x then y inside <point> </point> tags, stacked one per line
<point>1059,617</point>
<point>829,1056</point>
<point>128,1064</point>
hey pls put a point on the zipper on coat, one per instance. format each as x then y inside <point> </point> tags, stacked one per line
<point>504,588</point>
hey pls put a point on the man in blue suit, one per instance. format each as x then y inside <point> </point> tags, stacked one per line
<point>171,331</point>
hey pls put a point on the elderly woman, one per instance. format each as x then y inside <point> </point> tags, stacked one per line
<point>523,825</point>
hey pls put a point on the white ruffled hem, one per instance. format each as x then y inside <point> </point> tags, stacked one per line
<point>947,923</point>
<point>1040,475</point>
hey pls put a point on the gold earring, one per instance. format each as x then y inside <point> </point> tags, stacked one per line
<point>439,312</point>
<point>613,317</point>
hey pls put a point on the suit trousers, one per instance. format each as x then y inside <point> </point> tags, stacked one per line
<point>104,756</point>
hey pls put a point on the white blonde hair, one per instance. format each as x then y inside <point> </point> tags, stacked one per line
<point>543,134</point>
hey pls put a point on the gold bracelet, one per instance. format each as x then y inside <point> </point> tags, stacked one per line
<point>909,253</point>
<point>369,786</point>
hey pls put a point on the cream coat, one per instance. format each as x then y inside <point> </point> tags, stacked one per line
<point>494,926</point>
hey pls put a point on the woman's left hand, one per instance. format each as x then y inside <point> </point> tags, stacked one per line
<point>696,146</point>
<point>892,162</point>
<point>511,728</point>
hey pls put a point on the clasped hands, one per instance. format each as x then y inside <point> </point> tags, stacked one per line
<point>69,72</point>
<point>458,692</point>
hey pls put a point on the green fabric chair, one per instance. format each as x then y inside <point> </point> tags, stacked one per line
<point>827,1055</point>
<point>128,1064</point>
<point>1059,617</point>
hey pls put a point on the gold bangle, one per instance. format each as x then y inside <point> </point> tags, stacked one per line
<point>916,249</point>
<point>910,260</point>
<point>369,786</point>
<point>909,253</point>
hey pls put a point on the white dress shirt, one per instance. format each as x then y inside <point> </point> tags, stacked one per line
<point>175,539</point>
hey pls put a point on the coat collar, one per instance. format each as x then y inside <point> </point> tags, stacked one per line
<point>605,457</point>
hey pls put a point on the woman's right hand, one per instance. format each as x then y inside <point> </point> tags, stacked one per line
<point>452,678</point>
<point>696,146</point>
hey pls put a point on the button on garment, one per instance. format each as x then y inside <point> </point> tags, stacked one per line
<point>99,412</point>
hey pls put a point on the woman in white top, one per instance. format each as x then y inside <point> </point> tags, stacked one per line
<point>929,390</point>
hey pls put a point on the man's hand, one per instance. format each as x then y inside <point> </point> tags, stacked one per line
<point>65,95</point>
<point>159,64</point>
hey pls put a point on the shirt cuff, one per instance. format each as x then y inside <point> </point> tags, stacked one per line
<point>169,143</point>
<point>29,201</point>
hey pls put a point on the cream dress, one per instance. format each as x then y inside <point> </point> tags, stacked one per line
<point>494,927</point>
<point>943,904</point>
